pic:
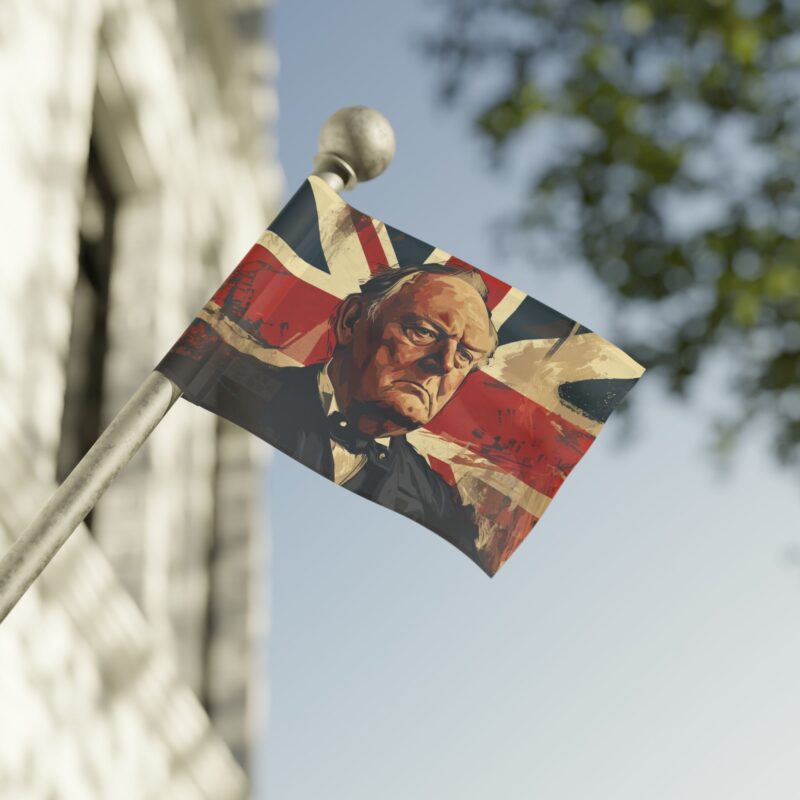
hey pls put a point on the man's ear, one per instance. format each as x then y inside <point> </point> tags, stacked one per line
<point>348,314</point>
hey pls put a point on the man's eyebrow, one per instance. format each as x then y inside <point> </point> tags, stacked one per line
<point>442,332</point>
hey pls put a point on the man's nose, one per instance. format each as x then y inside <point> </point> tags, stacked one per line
<point>441,360</point>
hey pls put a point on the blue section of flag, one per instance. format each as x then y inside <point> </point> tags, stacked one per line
<point>408,249</point>
<point>535,320</point>
<point>595,398</point>
<point>298,226</point>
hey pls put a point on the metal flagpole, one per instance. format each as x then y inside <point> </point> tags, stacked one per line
<point>356,144</point>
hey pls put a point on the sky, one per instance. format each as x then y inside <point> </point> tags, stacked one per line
<point>644,641</point>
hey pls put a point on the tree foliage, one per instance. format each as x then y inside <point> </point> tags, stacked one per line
<point>673,169</point>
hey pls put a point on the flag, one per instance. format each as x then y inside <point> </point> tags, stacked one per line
<point>403,373</point>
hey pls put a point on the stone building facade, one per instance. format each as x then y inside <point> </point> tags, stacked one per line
<point>136,168</point>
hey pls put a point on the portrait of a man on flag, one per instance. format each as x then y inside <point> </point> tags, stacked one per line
<point>401,373</point>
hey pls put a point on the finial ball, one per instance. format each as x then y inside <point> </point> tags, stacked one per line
<point>360,136</point>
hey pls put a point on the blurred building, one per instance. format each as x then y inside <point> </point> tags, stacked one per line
<point>136,168</point>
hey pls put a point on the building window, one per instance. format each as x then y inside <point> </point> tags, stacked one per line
<point>83,396</point>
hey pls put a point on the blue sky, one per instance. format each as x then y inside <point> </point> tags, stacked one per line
<point>643,642</point>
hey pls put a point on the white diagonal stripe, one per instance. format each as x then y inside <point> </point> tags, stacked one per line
<point>507,306</point>
<point>437,257</point>
<point>340,242</point>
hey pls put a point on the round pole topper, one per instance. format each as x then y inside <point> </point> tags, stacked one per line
<point>357,141</point>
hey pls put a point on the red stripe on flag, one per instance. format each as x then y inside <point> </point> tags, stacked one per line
<point>198,342</point>
<point>516,434</point>
<point>443,468</point>
<point>497,288</point>
<point>278,309</point>
<point>508,539</point>
<point>370,243</point>
<point>510,525</point>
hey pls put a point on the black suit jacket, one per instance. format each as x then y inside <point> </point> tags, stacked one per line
<point>282,406</point>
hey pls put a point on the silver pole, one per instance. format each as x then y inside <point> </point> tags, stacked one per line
<point>356,144</point>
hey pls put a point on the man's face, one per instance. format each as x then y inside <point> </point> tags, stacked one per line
<point>406,358</point>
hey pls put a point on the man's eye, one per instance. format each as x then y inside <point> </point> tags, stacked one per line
<point>464,357</point>
<point>420,335</point>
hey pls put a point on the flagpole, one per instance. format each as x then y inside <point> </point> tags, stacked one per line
<point>356,144</point>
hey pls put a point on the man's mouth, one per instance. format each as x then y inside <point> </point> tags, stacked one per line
<point>418,389</point>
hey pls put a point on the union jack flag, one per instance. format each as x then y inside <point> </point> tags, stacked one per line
<point>515,429</point>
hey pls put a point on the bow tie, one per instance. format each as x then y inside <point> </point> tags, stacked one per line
<point>342,432</point>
